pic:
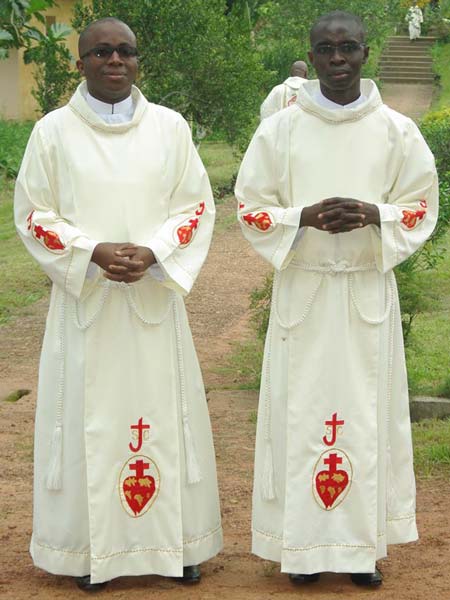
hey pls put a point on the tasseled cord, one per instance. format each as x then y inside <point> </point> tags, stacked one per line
<point>194,474</point>
<point>268,479</point>
<point>268,473</point>
<point>54,475</point>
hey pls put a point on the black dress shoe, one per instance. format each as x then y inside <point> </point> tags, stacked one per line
<point>190,575</point>
<point>84,583</point>
<point>299,578</point>
<point>368,579</point>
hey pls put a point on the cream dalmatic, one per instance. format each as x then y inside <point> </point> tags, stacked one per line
<point>334,481</point>
<point>125,478</point>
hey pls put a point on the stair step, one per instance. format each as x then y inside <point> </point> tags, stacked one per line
<point>399,79</point>
<point>426,60</point>
<point>401,39</point>
<point>390,52</point>
<point>407,74</point>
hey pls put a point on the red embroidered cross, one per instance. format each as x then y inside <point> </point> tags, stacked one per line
<point>333,460</point>
<point>140,428</point>
<point>334,424</point>
<point>139,466</point>
<point>201,209</point>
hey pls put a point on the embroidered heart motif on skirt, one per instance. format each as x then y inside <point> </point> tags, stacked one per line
<point>330,485</point>
<point>138,492</point>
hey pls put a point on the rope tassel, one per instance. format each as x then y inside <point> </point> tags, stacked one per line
<point>268,479</point>
<point>54,474</point>
<point>194,474</point>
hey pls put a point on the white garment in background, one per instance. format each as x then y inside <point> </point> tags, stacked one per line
<point>281,96</point>
<point>414,17</point>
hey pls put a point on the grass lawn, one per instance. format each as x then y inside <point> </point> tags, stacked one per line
<point>220,162</point>
<point>431,440</point>
<point>441,66</point>
<point>22,281</point>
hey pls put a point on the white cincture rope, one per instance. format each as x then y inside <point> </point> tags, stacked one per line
<point>268,490</point>
<point>135,310</point>
<point>389,293</point>
<point>194,474</point>
<point>91,320</point>
<point>54,473</point>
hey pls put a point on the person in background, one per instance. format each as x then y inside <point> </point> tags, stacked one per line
<point>414,18</point>
<point>285,94</point>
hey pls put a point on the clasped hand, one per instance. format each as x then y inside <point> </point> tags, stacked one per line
<point>126,262</point>
<point>339,215</point>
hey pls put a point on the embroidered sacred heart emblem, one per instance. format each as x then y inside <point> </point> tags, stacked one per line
<point>138,492</point>
<point>330,486</point>
<point>138,485</point>
<point>332,483</point>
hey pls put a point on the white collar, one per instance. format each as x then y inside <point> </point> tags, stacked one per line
<point>326,103</point>
<point>104,108</point>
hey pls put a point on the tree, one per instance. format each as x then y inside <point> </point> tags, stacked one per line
<point>46,49</point>
<point>194,58</point>
<point>15,28</point>
<point>282,31</point>
<point>53,74</point>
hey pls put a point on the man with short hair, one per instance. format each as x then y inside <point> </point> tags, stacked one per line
<point>285,94</point>
<point>114,203</point>
<point>334,192</point>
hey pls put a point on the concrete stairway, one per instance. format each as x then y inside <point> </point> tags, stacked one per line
<point>403,61</point>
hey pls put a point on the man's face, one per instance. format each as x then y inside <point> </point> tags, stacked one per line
<point>109,78</point>
<point>337,55</point>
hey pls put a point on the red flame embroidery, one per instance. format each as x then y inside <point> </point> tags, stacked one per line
<point>260,220</point>
<point>49,238</point>
<point>411,218</point>
<point>185,233</point>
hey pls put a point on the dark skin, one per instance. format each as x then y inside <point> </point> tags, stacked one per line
<point>340,79</point>
<point>110,80</point>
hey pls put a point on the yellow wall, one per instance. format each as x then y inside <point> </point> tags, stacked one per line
<point>16,78</point>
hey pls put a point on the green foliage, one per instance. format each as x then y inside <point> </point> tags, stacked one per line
<point>13,139</point>
<point>54,76</point>
<point>435,128</point>
<point>15,28</point>
<point>282,33</point>
<point>22,282</point>
<point>441,67</point>
<point>193,58</point>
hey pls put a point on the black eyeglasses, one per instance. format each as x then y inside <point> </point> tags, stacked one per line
<point>345,48</point>
<point>105,52</point>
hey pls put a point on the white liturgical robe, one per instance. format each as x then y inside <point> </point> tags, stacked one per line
<point>281,96</point>
<point>125,479</point>
<point>334,481</point>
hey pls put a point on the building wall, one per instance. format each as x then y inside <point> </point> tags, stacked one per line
<point>9,87</point>
<point>16,78</point>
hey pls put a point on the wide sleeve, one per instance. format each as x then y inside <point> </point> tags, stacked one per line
<point>62,250</point>
<point>181,244</point>
<point>266,219</point>
<point>409,215</point>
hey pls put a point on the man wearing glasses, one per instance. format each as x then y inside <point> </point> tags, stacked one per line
<point>113,201</point>
<point>334,192</point>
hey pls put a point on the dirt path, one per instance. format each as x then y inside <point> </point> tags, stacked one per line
<point>219,317</point>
